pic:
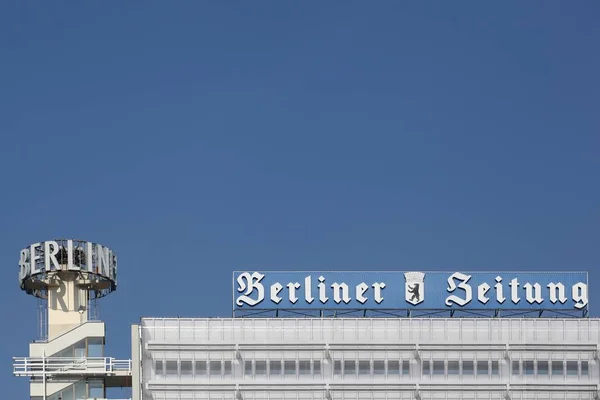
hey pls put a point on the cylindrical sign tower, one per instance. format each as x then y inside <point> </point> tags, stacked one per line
<point>67,273</point>
<point>70,363</point>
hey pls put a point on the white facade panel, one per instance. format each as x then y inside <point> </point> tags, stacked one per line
<point>445,358</point>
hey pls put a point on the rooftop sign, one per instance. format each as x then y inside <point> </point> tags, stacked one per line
<point>96,264</point>
<point>557,291</point>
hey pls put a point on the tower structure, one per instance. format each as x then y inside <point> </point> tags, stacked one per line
<point>68,361</point>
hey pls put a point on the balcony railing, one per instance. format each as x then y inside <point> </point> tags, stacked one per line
<point>50,366</point>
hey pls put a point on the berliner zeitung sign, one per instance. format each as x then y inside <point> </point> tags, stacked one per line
<point>411,290</point>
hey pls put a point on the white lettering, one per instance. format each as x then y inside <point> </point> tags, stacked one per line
<point>378,287</point>
<point>50,251</point>
<point>70,265</point>
<point>34,256</point>
<point>248,283</point>
<point>481,293</point>
<point>499,290</point>
<point>345,293</point>
<point>461,289</point>
<point>360,291</point>
<point>462,285</point>
<point>533,293</point>
<point>292,286</point>
<point>308,290</point>
<point>90,257</point>
<point>275,289</point>
<point>561,296</point>
<point>580,295</point>
<point>103,254</point>
<point>322,297</point>
<point>24,264</point>
<point>514,290</point>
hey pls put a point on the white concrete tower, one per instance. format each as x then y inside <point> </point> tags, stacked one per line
<point>69,363</point>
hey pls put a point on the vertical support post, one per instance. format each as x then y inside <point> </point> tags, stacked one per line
<point>44,373</point>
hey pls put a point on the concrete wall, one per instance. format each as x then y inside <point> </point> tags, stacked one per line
<point>64,301</point>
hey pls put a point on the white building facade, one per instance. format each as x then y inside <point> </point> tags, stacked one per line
<point>366,358</point>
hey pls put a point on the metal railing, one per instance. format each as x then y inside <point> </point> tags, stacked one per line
<point>49,366</point>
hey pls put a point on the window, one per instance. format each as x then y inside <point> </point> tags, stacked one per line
<point>186,367</point>
<point>248,368</point>
<point>97,388</point>
<point>453,367</point>
<point>379,367</point>
<point>95,347</point>
<point>426,367</point>
<point>585,368</point>
<point>482,367</point>
<point>557,368</point>
<point>317,367</point>
<point>75,351</point>
<point>393,367</point>
<point>337,367</point>
<point>364,367</point>
<point>289,367</point>
<point>438,368</point>
<point>275,367</point>
<point>304,367</point>
<point>572,368</point>
<point>158,367</point>
<point>201,368</point>
<point>227,368</point>
<point>79,349</point>
<point>468,367</point>
<point>349,367</point>
<point>495,368</point>
<point>260,367</point>
<point>515,368</point>
<point>542,368</point>
<point>528,367</point>
<point>215,368</point>
<point>405,367</point>
<point>80,390</point>
<point>171,368</point>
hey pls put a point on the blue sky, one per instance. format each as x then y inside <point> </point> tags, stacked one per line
<point>198,138</point>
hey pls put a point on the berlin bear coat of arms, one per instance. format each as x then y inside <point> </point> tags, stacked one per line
<point>414,287</point>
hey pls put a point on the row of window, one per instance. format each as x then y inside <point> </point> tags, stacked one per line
<point>465,368</point>
<point>93,388</point>
<point>278,367</point>
<point>527,368</point>
<point>364,367</point>
<point>184,368</point>
<point>189,368</point>
<point>554,367</point>
<point>89,347</point>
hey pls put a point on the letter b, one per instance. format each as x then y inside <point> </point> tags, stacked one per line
<point>247,283</point>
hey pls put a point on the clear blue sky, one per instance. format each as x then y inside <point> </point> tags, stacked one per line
<point>199,137</point>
